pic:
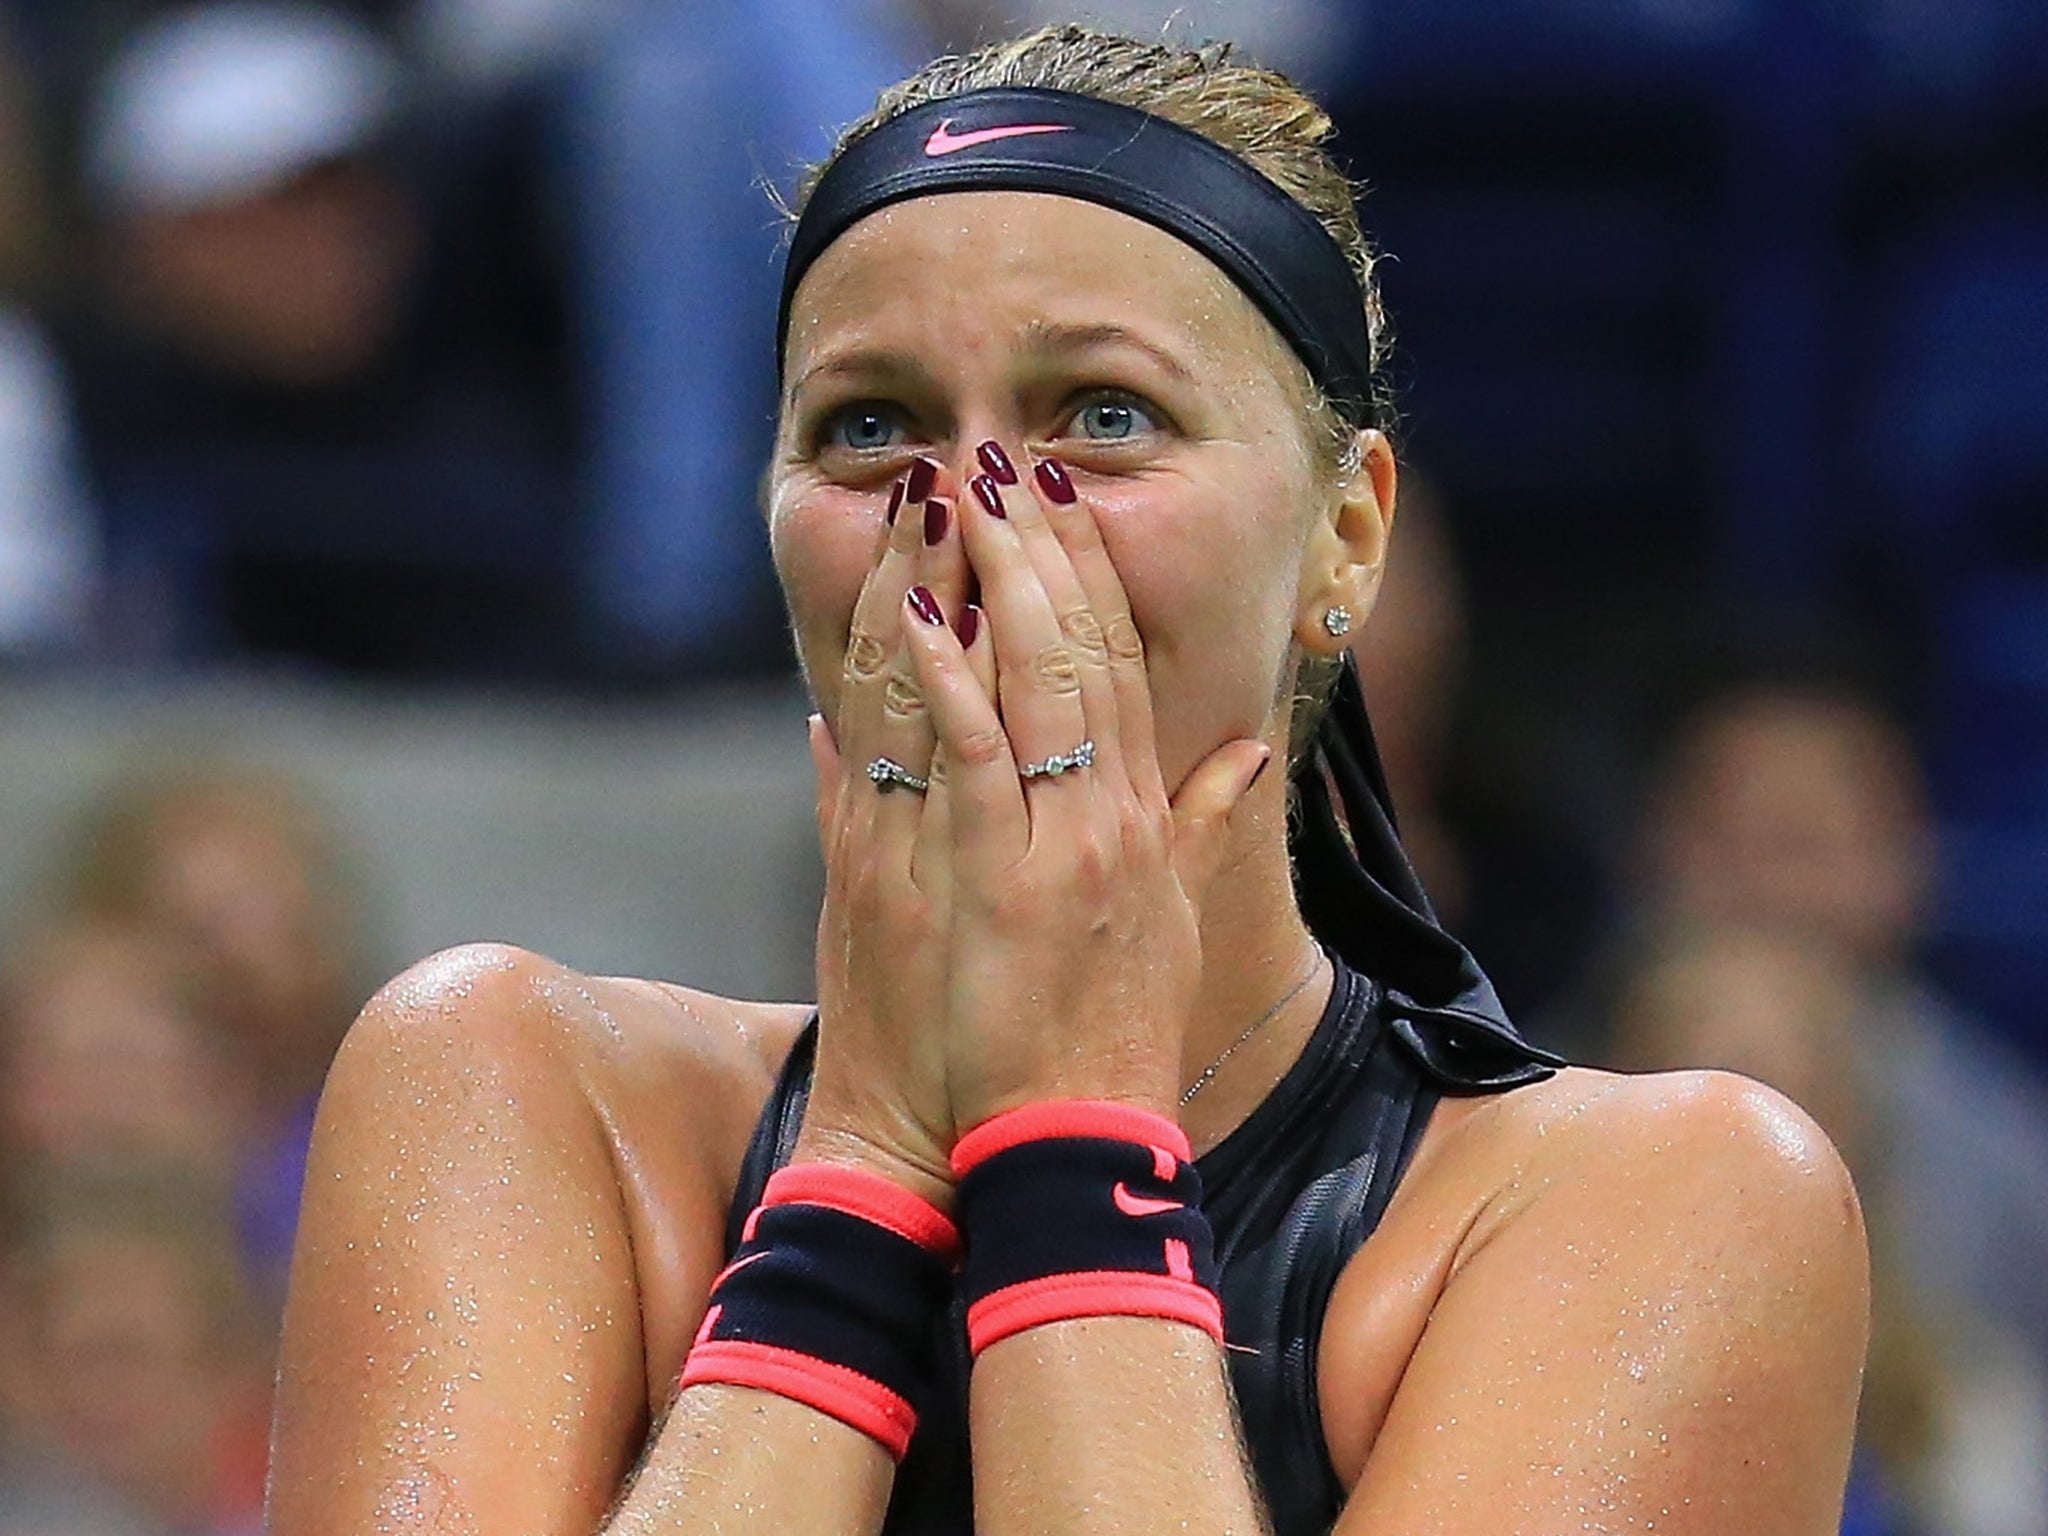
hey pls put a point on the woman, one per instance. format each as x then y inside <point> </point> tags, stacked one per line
<point>1076,499</point>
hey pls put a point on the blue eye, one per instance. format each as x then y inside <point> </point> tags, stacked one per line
<point>1110,421</point>
<point>863,428</point>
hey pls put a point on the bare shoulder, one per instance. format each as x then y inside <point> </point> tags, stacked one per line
<point>1602,1128</point>
<point>1647,1290</point>
<point>514,1204</point>
<point>524,999</point>
<point>640,1052</point>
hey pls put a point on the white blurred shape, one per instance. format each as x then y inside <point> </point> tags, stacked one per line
<point>46,551</point>
<point>230,99</point>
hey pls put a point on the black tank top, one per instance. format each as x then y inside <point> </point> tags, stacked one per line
<point>1291,1195</point>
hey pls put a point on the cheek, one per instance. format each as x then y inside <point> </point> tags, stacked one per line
<point>1212,589</point>
<point>823,550</point>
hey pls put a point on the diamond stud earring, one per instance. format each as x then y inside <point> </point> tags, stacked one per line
<point>1337,620</point>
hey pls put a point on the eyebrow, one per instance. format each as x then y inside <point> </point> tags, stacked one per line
<point>1053,336</point>
<point>1041,336</point>
<point>860,362</point>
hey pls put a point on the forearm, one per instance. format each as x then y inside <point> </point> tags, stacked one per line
<point>800,1386</point>
<point>1109,1424</point>
<point>735,1460</point>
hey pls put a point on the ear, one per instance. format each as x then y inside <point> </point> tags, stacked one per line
<point>1347,550</point>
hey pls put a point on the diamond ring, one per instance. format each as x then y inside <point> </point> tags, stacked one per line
<point>1052,767</point>
<point>886,774</point>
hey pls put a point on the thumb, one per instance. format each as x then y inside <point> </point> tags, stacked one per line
<point>1202,807</point>
<point>825,761</point>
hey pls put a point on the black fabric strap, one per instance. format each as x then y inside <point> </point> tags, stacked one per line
<point>1361,897</point>
<point>1033,140</point>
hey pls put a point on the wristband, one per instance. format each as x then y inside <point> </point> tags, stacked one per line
<point>1082,1209</point>
<point>830,1299</point>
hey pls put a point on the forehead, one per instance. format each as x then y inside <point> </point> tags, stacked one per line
<point>970,266</point>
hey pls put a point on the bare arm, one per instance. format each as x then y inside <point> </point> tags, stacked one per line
<point>465,1350</point>
<point>1660,1319</point>
<point>1109,1424</point>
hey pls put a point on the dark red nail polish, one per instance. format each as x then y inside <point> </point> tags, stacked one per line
<point>970,625</point>
<point>895,502</point>
<point>924,474</point>
<point>938,513</point>
<point>988,495</point>
<point>1052,479</point>
<point>996,462</point>
<point>926,606</point>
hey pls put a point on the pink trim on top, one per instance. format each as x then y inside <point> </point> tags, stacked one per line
<point>1056,1118</point>
<point>853,1399</point>
<point>1099,1293</point>
<point>856,1192</point>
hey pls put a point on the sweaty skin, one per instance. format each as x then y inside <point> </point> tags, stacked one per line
<point>1599,1303</point>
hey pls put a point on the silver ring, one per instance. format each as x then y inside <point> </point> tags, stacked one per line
<point>886,773</point>
<point>1082,756</point>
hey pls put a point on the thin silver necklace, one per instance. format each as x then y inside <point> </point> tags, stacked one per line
<point>1209,1072</point>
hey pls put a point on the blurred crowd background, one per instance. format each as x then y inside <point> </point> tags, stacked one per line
<point>383,391</point>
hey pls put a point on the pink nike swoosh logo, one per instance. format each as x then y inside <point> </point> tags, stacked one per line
<point>944,141</point>
<point>1141,1205</point>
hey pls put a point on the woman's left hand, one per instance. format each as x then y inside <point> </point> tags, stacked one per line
<point>1075,953</point>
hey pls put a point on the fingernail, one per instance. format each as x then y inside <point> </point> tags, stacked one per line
<point>1052,479</point>
<point>1257,772</point>
<point>926,606</point>
<point>996,462</point>
<point>970,625</point>
<point>986,493</point>
<point>924,474</point>
<point>895,502</point>
<point>938,513</point>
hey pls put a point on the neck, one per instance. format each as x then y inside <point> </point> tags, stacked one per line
<point>1255,949</point>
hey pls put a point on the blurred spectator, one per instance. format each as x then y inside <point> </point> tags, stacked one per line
<point>106,1052</point>
<point>144,1364</point>
<point>46,556</point>
<point>683,113</point>
<point>44,1495</point>
<point>240,873</point>
<point>1954,1425</point>
<point>292,462</point>
<point>1797,808</point>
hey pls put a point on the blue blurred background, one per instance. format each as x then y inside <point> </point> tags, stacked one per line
<point>383,392</point>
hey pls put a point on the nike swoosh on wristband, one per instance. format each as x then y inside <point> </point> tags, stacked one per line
<point>944,141</point>
<point>1142,1205</point>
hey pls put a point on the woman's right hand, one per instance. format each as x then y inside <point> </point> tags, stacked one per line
<point>878,1097</point>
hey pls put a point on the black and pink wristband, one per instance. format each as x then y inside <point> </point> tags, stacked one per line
<point>830,1299</point>
<point>1077,1209</point>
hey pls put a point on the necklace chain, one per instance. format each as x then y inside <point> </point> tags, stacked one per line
<point>1208,1074</point>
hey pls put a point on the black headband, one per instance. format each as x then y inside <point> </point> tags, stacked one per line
<point>1032,140</point>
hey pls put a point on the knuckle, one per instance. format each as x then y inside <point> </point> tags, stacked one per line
<point>1096,862</point>
<point>901,699</point>
<point>982,747</point>
<point>1053,670</point>
<point>1122,639</point>
<point>866,656</point>
<point>1085,630</point>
